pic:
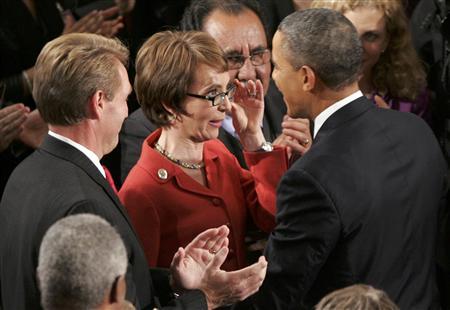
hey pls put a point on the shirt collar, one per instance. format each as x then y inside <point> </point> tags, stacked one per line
<point>89,154</point>
<point>325,114</point>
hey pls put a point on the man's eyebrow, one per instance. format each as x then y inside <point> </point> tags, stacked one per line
<point>232,53</point>
<point>258,49</point>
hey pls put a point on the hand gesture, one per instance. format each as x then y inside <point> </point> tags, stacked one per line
<point>34,130</point>
<point>95,22</point>
<point>189,265</point>
<point>247,110</point>
<point>379,101</point>
<point>224,288</point>
<point>11,123</point>
<point>296,136</point>
<point>125,6</point>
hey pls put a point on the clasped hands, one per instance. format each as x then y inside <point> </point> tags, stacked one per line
<point>105,22</point>
<point>197,266</point>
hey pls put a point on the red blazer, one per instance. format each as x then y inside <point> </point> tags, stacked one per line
<point>168,208</point>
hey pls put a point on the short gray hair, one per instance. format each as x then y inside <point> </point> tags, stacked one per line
<point>79,259</point>
<point>326,41</point>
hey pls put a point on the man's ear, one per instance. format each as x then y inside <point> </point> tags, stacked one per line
<point>309,78</point>
<point>118,290</point>
<point>96,104</point>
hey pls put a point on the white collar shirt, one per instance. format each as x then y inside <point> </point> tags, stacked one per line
<point>325,114</point>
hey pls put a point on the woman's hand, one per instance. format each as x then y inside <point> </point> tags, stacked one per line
<point>379,101</point>
<point>247,110</point>
<point>296,135</point>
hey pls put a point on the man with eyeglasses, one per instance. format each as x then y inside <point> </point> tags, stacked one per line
<point>238,28</point>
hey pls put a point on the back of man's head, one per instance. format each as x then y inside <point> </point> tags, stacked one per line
<point>196,13</point>
<point>70,69</point>
<point>325,41</point>
<point>81,259</point>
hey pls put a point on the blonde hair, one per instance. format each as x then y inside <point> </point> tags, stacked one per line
<point>165,68</point>
<point>399,71</point>
<point>70,69</point>
<point>356,297</point>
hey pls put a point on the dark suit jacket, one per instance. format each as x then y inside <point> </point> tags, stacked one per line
<point>137,127</point>
<point>360,207</point>
<point>53,182</point>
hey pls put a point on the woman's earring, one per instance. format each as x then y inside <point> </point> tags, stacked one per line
<point>171,118</point>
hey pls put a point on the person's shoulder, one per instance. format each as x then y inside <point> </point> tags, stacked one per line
<point>138,124</point>
<point>405,120</point>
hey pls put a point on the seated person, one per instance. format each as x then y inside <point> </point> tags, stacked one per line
<point>82,265</point>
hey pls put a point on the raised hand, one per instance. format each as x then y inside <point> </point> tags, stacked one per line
<point>34,130</point>
<point>296,135</point>
<point>11,123</point>
<point>125,6</point>
<point>247,110</point>
<point>190,264</point>
<point>379,101</point>
<point>99,22</point>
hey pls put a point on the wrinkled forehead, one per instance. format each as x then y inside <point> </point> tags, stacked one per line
<point>240,33</point>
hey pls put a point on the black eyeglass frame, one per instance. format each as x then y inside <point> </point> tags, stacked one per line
<point>224,94</point>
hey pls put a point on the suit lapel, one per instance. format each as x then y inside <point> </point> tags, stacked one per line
<point>343,115</point>
<point>67,152</point>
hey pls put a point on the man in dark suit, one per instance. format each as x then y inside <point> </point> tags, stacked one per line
<point>361,206</point>
<point>81,87</point>
<point>239,29</point>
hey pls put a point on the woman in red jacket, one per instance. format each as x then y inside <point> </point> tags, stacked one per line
<point>186,180</point>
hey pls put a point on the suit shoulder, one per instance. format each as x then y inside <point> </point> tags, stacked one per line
<point>137,124</point>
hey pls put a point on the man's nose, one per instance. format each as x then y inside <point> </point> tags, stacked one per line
<point>247,71</point>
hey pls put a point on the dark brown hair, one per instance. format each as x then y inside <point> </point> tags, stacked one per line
<point>165,68</point>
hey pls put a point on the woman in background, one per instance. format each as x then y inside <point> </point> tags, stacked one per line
<point>392,74</point>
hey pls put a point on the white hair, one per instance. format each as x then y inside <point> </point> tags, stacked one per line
<point>79,259</point>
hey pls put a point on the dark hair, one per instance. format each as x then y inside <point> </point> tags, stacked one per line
<point>165,68</point>
<point>195,14</point>
<point>326,41</point>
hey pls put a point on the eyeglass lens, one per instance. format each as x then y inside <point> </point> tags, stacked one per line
<point>220,98</point>
<point>257,59</point>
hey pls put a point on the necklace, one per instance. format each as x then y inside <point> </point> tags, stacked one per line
<point>177,161</point>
